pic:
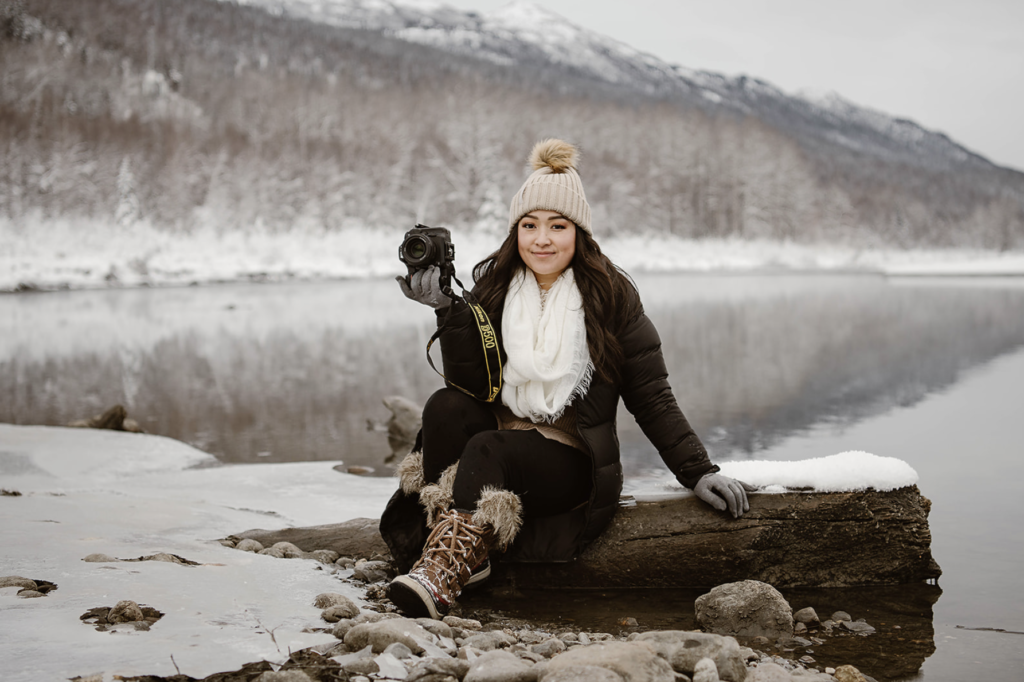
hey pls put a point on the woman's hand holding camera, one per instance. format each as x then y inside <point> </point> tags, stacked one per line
<point>424,286</point>
<point>722,492</point>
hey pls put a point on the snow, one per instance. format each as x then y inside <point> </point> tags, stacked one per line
<point>844,472</point>
<point>78,254</point>
<point>127,495</point>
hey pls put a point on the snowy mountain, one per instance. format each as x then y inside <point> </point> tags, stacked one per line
<point>522,33</point>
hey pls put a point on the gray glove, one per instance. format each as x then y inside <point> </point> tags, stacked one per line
<point>424,286</point>
<point>722,492</point>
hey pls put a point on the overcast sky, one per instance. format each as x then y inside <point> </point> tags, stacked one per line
<point>955,66</point>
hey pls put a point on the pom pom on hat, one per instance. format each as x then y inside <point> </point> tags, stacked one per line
<point>554,185</point>
<point>557,155</point>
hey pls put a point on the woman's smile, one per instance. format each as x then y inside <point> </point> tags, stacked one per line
<point>547,244</point>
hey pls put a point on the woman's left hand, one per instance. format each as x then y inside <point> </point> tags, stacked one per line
<point>722,492</point>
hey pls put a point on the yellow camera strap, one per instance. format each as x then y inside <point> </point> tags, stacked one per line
<point>488,343</point>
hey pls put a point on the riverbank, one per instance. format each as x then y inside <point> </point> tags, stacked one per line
<point>85,254</point>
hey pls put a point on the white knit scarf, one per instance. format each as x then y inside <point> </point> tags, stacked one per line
<point>548,362</point>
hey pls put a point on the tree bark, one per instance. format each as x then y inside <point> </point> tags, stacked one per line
<point>786,540</point>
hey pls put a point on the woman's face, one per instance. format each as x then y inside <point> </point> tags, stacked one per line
<point>547,243</point>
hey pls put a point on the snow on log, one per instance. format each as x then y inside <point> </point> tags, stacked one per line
<point>838,539</point>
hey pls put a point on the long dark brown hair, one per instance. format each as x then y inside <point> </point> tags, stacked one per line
<point>603,287</point>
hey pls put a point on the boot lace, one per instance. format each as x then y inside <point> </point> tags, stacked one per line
<point>450,547</point>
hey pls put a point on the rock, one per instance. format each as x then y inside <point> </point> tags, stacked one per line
<point>469,653</point>
<point>840,616</point>
<point>581,673</point>
<point>30,594</point>
<point>634,661</point>
<point>332,614</point>
<point>847,673</point>
<point>799,628</point>
<point>271,551</point>
<point>769,672</point>
<point>372,571</point>
<point>500,666</point>
<point>289,550</point>
<point>569,637</point>
<point>530,637</point>
<point>365,653</point>
<point>383,633</point>
<point>489,641</point>
<point>807,616</point>
<point>125,611</point>
<point>398,650</point>
<point>629,622</point>
<point>355,470</point>
<point>324,556</point>
<point>683,650</point>
<point>584,639</point>
<point>438,670</point>
<point>362,666</point>
<point>354,538</point>
<point>326,600</point>
<point>705,671</point>
<point>99,559</point>
<point>435,627</point>
<point>248,545</point>
<point>856,627</point>
<point>549,647</point>
<point>745,609</point>
<point>18,581</point>
<point>342,627</point>
<point>464,623</point>
<point>405,422</point>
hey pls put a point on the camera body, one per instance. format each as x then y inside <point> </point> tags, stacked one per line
<point>425,246</point>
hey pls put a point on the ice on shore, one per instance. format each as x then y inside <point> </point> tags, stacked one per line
<point>127,495</point>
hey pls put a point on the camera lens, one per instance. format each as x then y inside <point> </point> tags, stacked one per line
<point>417,250</point>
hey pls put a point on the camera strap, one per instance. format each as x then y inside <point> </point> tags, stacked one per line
<point>488,343</point>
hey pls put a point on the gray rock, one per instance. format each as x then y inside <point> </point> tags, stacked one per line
<point>569,637</point>
<point>745,609</point>
<point>489,641</point>
<point>683,650</point>
<point>840,616</point>
<point>125,611</point>
<point>856,627</point>
<point>469,653</point>
<point>807,616</point>
<point>705,671</point>
<point>529,656</point>
<point>769,672</point>
<point>324,556</point>
<point>549,647</point>
<point>634,661</point>
<point>372,571</point>
<point>848,673</point>
<point>398,650</point>
<point>437,670</point>
<point>333,614</point>
<point>30,594</point>
<point>342,627</point>
<point>291,675</point>
<point>464,623</point>
<point>581,673</point>
<point>289,550</point>
<point>363,666</point>
<point>383,633</point>
<point>99,559</point>
<point>530,637</point>
<point>435,627</point>
<point>799,628</point>
<point>583,639</point>
<point>272,551</point>
<point>365,652</point>
<point>500,666</point>
<point>328,599</point>
<point>18,581</point>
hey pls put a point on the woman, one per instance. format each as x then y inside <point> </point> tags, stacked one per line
<point>536,474</point>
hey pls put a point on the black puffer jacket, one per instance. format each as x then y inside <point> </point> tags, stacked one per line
<point>647,395</point>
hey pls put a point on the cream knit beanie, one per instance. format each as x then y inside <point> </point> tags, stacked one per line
<point>554,185</point>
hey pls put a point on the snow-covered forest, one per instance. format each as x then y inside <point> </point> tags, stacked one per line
<point>185,117</point>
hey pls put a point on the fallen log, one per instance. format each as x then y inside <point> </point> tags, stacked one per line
<point>786,540</point>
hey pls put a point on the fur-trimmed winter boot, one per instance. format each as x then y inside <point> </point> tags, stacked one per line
<point>456,553</point>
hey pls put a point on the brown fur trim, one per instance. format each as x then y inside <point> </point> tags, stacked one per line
<point>437,497</point>
<point>502,510</point>
<point>410,473</point>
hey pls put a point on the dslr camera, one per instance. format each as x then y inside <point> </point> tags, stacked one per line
<point>425,246</point>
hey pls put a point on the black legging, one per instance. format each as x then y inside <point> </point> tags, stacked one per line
<point>549,477</point>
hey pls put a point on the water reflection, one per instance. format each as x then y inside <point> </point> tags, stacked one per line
<point>294,372</point>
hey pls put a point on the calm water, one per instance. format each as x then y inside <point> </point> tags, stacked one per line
<point>777,367</point>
